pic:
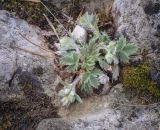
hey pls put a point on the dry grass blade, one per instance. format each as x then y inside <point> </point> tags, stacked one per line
<point>53,28</point>
<point>80,14</point>
<point>32,42</point>
<point>32,0</point>
<point>54,16</point>
<point>31,52</point>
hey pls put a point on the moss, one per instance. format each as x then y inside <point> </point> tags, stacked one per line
<point>138,78</point>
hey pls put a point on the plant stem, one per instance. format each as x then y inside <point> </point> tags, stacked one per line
<point>75,82</point>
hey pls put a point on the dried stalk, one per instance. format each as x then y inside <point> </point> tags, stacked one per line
<point>53,28</point>
<point>53,16</point>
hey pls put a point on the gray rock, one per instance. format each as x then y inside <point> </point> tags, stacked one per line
<point>139,21</point>
<point>21,62</point>
<point>80,34</point>
<point>154,59</point>
<point>110,112</point>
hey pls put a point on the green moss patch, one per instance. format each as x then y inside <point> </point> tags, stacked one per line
<point>138,78</point>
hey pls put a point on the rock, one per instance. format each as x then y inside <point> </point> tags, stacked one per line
<point>154,59</point>
<point>57,124</point>
<point>22,63</point>
<point>80,34</point>
<point>110,112</point>
<point>155,76</point>
<point>138,21</point>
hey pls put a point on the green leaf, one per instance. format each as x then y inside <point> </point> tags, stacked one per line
<point>123,57</point>
<point>71,59</point>
<point>130,49</point>
<point>89,63</point>
<point>121,43</point>
<point>90,54</point>
<point>103,37</point>
<point>94,82</point>
<point>97,72</point>
<point>89,21</point>
<point>89,80</point>
<point>72,68</point>
<point>119,51</point>
<point>67,43</point>
<point>68,60</point>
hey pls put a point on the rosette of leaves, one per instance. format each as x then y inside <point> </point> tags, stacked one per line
<point>84,59</point>
<point>68,95</point>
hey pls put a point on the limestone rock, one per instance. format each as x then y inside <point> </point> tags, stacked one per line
<point>21,62</point>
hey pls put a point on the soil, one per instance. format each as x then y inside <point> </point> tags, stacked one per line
<point>25,115</point>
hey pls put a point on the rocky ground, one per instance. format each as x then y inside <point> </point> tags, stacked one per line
<point>113,111</point>
<point>28,74</point>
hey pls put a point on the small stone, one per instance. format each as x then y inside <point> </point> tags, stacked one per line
<point>79,34</point>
